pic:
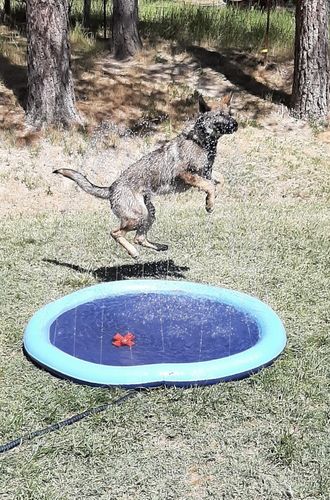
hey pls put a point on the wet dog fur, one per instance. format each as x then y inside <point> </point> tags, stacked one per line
<point>185,161</point>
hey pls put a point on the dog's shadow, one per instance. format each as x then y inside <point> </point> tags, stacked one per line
<point>159,269</point>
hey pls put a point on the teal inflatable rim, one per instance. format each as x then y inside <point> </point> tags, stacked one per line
<point>271,342</point>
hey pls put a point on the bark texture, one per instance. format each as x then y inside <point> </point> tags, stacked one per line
<point>51,97</point>
<point>87,14</point>
<point>310,93</point>
<point>125,34</point>
<point>7,7</point>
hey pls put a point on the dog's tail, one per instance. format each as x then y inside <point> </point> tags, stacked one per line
<point>84,183</point>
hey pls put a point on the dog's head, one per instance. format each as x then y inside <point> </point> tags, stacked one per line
<point>212,124</point>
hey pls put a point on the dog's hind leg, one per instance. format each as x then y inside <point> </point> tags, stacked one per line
<point>119,236</point>
<point>141,233</point>
<point>141,239</point>
<point>205,185</point>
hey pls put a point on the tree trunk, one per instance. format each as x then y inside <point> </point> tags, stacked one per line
<point>310,92</point>
<point>50,86</point>
<point>87,14</point>
<point>125,34</point>
<point>7,8</point>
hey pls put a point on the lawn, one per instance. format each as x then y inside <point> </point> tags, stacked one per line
<point>221,27</point>
<point>262,438</point>
<point>188,23</point>
<point>265,437</point>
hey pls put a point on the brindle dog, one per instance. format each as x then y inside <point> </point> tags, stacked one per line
<point>183,162</point>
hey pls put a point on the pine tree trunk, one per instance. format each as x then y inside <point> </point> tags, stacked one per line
<point>7,8</point>
<point>125,34</point>
<point>311,93</point>
<point>87,14</point>
<point>50,86</point>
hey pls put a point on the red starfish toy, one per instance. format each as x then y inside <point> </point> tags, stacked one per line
<point>122,340</point>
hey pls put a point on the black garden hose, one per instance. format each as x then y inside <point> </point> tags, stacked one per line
<point>68,421</point>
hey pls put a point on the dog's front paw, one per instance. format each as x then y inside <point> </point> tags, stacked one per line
<point>219,185</point>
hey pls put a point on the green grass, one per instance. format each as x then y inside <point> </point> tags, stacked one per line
<point>188,24</point>
<point>266,437</point>
<point>220,27</point>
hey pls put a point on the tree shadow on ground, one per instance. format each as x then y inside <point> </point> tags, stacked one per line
<point>141,93</point>
<point>231,65</point>
<point>14,77</point>
<point>156,87</point>
<point>156,269</point>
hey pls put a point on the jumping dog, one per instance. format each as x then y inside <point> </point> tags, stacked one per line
<point>185,161</point>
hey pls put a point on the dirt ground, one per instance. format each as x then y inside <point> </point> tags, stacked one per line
<point>129,107</point>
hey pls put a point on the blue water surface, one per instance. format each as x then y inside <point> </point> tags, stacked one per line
<point>168,328</point>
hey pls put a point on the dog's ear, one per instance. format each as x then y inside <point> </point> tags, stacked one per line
<point>203,107</point>
<point>226,101</point>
